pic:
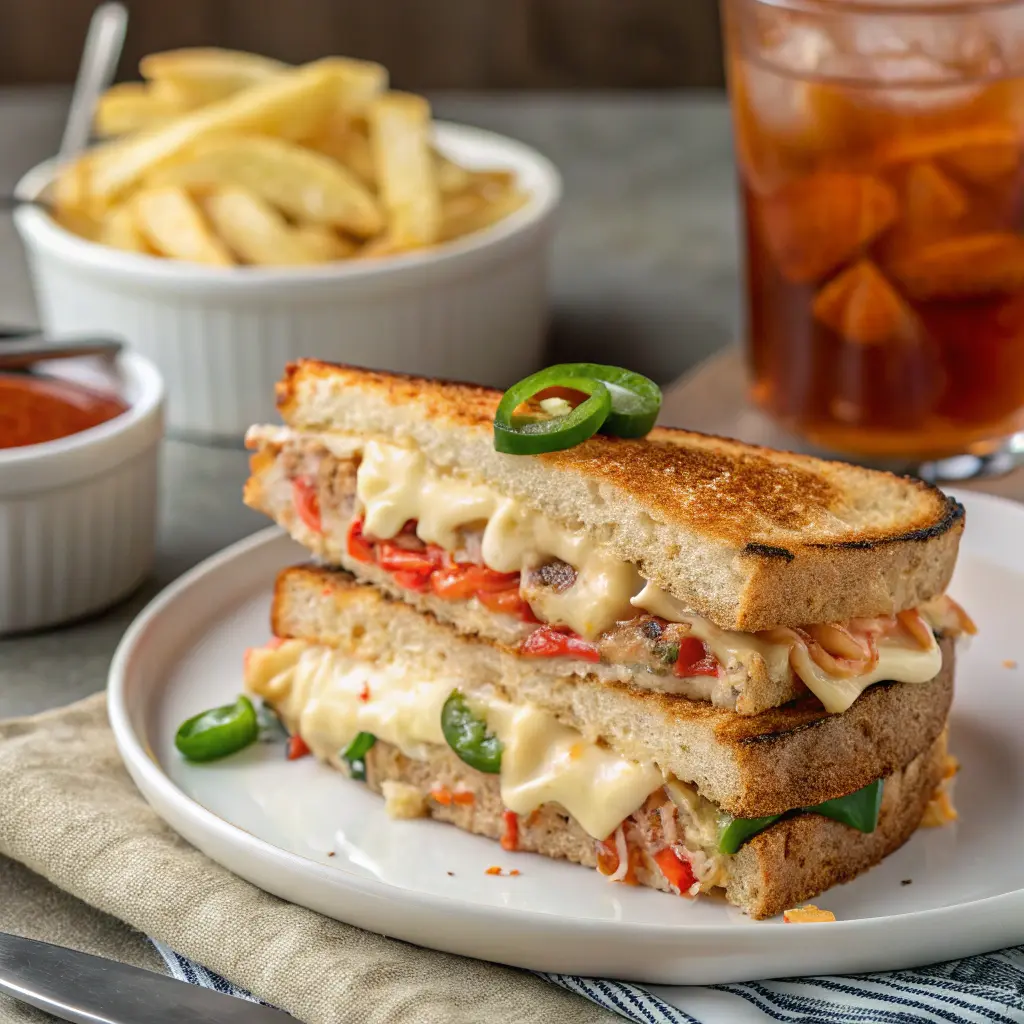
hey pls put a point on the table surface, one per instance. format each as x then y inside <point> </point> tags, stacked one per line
<point>644,272</point>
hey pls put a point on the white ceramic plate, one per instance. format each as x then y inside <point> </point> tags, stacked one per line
<point>275,822</point>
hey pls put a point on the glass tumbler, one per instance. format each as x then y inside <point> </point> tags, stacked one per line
<point>880,160</point>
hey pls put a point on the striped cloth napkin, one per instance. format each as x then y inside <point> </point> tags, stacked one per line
<point>985,989</point>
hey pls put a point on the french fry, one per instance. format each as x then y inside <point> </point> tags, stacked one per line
<point>406,177</point>
<point>255,231</point>
<point>202,75</point>
<point>173,225</point>
<point>70,188</point>
<point>453,178</point>
<point>120,229</point>
<point>346,140</point>
<point>326,243</point>
<point>382,245</point>
<point>475,210</point>
<point>132,106</point>
<point>290,105</point>
<point>304,184</point>
<point>222,156</point>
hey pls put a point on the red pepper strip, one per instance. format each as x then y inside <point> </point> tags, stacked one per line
<point>694,659</point>
<point>678,872</point>
<point>460,581</point>
<point>411,580</point>
<point>297,747</point>
<point>357,545</point>
<point>507,602</point>
<point>510,839</point>
<point>395,558</point>
<point>307,504</point>
<point>549,642</point>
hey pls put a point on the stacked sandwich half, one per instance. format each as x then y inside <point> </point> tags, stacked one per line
<point>688,662</point>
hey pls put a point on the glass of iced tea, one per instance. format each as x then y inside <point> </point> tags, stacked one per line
<point>880,157</point>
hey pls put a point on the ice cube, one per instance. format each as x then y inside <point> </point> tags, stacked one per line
<point>964,267</point>
<point>862,307</point>
<point>818,222</point>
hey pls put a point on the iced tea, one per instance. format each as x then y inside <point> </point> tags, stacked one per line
<point>880,155</point>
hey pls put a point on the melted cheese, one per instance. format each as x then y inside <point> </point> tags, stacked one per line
<point>547,762</point>
<point>896,661</point>
<point>396,484</point>
<point>328,697</point>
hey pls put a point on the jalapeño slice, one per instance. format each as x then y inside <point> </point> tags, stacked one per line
<point>619,402</point>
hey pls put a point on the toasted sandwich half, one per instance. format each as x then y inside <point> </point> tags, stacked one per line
<point>650,788</point>
<point>681,564</point>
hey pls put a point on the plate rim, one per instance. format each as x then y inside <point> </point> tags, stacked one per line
<point>149,775</point>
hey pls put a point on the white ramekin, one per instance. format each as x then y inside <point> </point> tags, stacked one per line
<point>78,515</point>
<point>473,309</point>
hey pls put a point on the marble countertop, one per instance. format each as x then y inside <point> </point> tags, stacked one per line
<point>644,271</point>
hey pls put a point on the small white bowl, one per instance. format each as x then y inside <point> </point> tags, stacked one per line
<point>78,515</point>
<point>472,309</point>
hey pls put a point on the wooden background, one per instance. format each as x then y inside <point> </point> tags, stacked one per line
<point>427,44</point>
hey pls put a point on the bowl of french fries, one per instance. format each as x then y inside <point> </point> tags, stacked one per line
<point>238,213</point>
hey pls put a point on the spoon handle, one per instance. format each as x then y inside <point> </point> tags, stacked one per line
<point>18,355</point>
<point>103,44</point>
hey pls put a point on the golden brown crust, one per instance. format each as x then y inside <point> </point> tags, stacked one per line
<point>803,856</point>
<point>794,756</point>
<point>733,490</point>
<point>793,539</point>
<point>450,401</point>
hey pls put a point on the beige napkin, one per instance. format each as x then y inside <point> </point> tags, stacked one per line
<point>70,813</point>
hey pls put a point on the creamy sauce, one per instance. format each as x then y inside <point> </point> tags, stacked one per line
<point>328,697</point>
<point>900,662</point>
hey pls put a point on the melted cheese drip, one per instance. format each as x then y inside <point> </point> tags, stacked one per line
<point>396,484</point>
<point>896,661</point>
<point>318,692</point>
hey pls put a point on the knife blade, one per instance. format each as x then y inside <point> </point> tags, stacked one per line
<point>90,989</point>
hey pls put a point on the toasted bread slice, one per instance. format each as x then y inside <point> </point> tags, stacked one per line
<point>794,860</point>
<point>752,766</point>
<point>746,537</point>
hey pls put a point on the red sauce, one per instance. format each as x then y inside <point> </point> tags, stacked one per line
<point>36,409</point>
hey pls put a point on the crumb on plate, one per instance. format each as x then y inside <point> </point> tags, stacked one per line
<point>809,914</point>
<point>940,810</point>
<point>402,800</point>
<point>907,881</point>
<point>493,870</point>
<point>1009,663</point>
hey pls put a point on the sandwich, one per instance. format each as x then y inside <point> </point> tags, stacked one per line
<point>650,788</point>
<point>694,664</point>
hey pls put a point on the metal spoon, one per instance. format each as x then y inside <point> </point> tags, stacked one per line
<point>18,355</point>
<point>102,50</point>
<point>100,54</point>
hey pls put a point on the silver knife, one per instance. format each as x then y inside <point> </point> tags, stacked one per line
<point>89,989</point>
